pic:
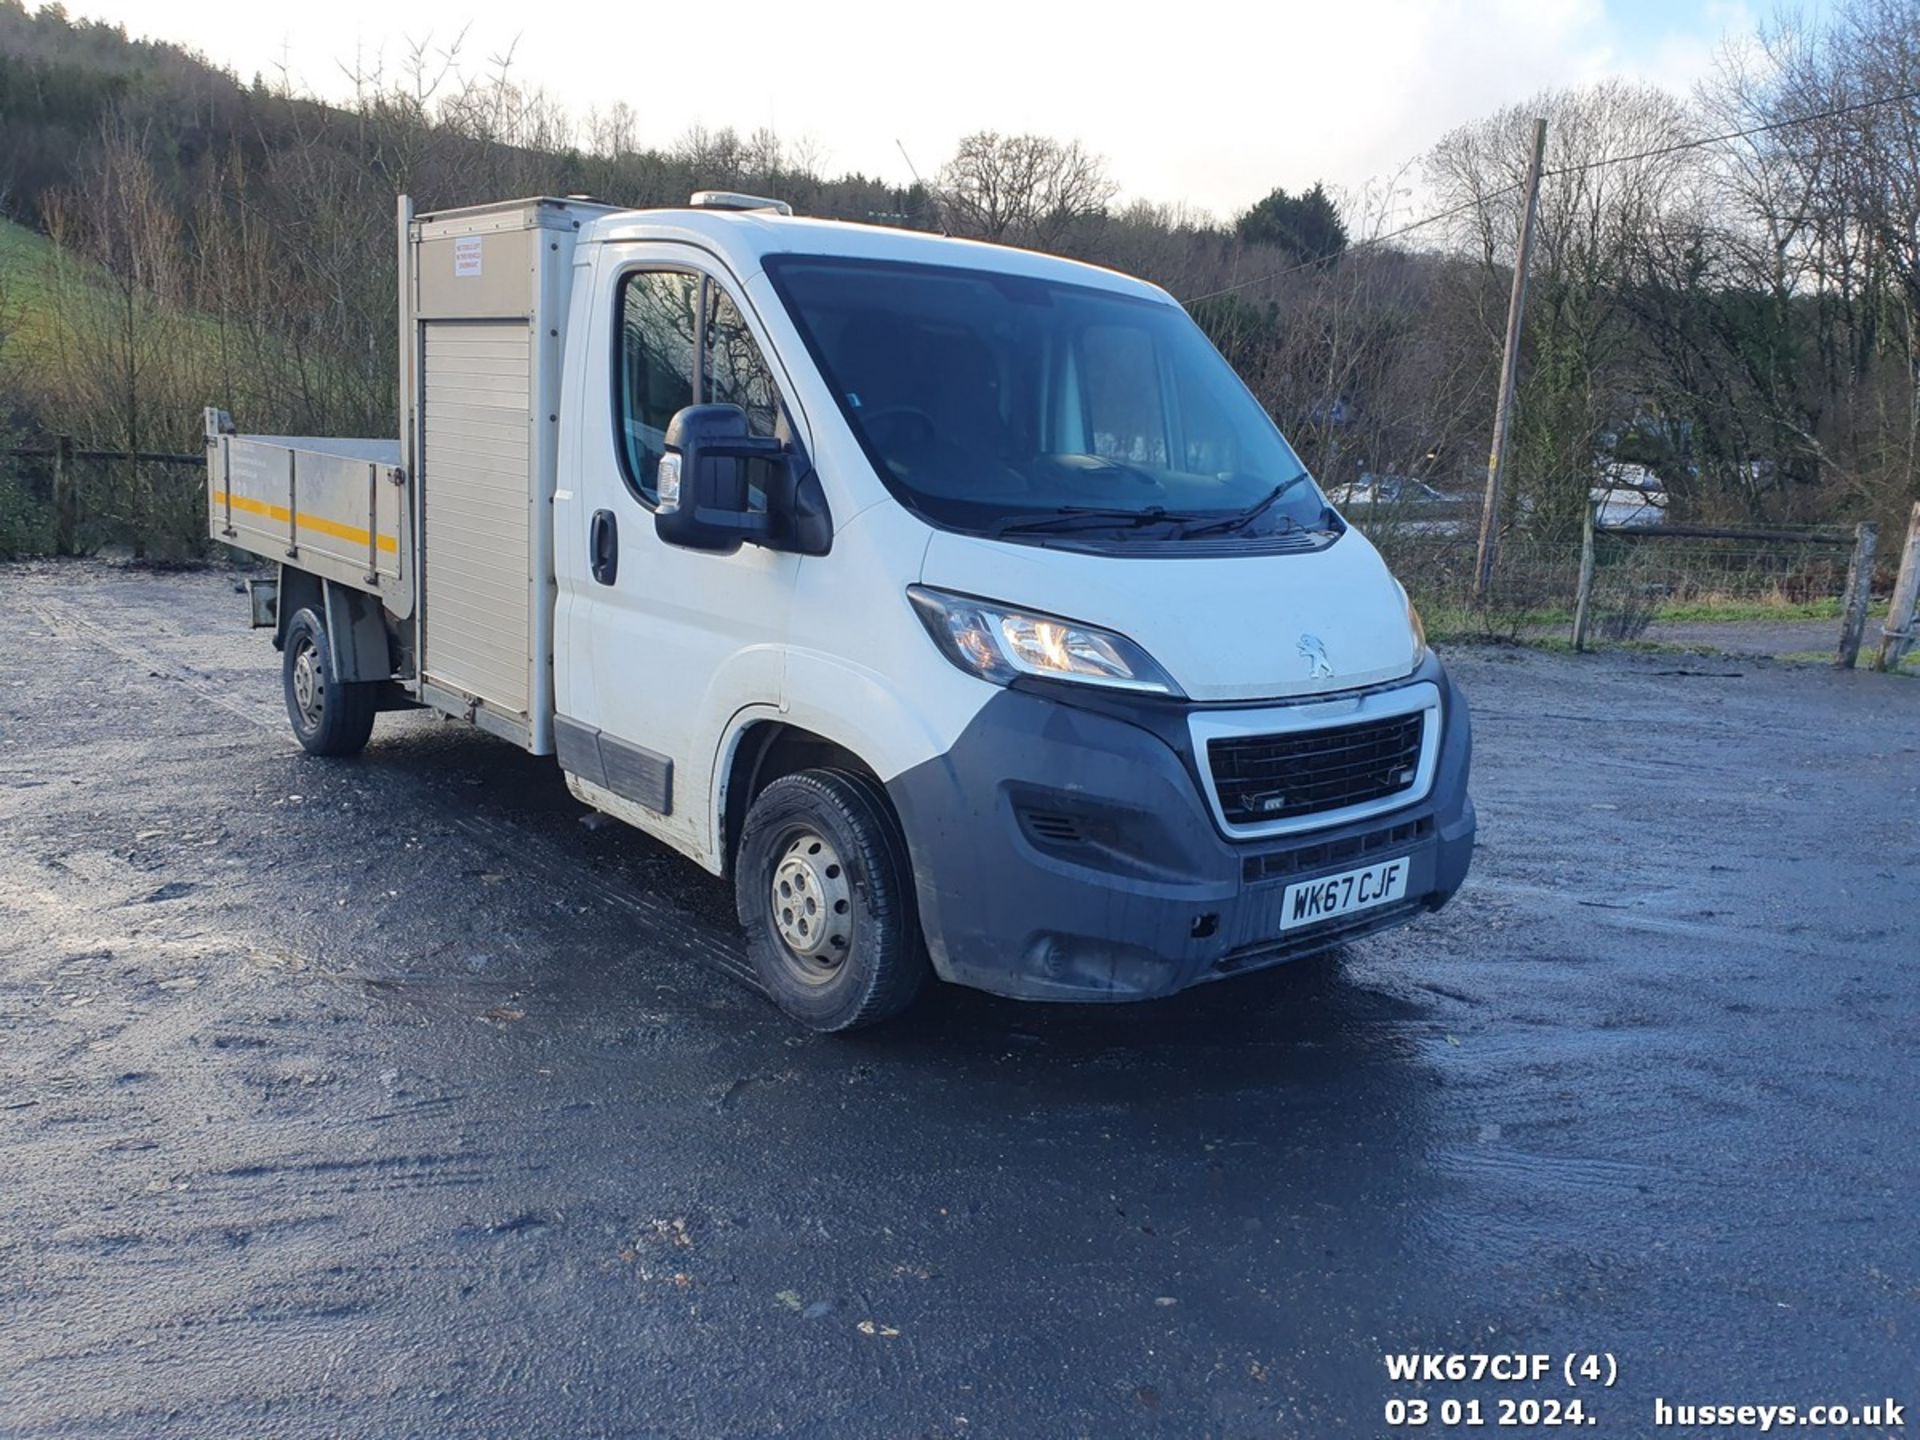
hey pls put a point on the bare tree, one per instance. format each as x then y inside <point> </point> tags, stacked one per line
<point>613,133</point>
<point>117,292</point>
<point>1023,189</point>
<point>1603,189</point>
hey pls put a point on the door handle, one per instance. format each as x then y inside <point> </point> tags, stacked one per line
<point>603,546</point>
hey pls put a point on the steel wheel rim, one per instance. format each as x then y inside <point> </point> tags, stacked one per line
<point>309,686</point>
<point>812,907</point>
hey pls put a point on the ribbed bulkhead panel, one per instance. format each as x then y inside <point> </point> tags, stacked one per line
<point>474,477</point>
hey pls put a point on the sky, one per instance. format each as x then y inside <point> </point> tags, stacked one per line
<point>1211,112</point>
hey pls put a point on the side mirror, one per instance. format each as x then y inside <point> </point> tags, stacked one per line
<point>703,483</point>
<point>707,478</point>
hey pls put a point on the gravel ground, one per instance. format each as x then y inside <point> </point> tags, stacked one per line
<point>1801,642</point>
<point>1762,637</point>
<point>387,1097</point>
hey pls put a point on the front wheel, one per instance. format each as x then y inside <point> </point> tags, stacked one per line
<point>824,887</point>
<point>330,717</point>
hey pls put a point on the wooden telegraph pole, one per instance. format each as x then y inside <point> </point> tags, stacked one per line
<point>1503,410</point>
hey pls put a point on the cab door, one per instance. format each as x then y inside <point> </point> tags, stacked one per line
<point>660,646</point>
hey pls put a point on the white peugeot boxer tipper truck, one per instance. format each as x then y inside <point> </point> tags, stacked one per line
<point>959,603</point>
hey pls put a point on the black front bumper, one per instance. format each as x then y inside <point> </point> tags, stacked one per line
<point>1064,850</point>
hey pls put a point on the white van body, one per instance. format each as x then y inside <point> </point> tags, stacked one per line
<point>1066,835</point>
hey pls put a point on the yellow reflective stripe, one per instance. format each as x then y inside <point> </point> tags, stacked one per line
<point>253,507</point>
<point>350,533</point>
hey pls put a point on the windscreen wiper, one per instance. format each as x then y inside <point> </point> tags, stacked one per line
<point>1092,517</point>
<point>1241,519</point>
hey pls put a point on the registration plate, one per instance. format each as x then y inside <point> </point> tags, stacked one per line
<point>1311,901</point>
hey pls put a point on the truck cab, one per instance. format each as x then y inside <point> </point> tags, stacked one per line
<point>958,602</point>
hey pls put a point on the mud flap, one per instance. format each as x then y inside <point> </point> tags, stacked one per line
<point>356,635</point>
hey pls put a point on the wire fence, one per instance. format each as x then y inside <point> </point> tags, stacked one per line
<point>1640,575</point>
<point>59,499</point>
<point>1645,574</point>
<point>1433,555</point>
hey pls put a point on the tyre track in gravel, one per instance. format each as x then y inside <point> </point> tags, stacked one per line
<point>64,622</point>
<point>658,925</point>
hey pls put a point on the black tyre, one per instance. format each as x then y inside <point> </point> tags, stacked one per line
<point>329,717</point>
<point>824,887</point>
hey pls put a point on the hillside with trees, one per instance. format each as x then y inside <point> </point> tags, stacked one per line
<point>1724,289</point>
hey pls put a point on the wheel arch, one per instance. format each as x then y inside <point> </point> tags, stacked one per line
<point>762,749</point>
<point>358,645</point>
<point>298,590</point>
<point>847,716</point>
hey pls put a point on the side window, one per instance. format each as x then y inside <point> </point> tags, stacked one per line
<point>1120,383</point>
<point>660,359</point>
<point>737,374</point>
<point>658,322</point>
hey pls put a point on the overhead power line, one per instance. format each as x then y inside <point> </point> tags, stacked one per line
<point>1479,201</point>
<point>1771,126</point>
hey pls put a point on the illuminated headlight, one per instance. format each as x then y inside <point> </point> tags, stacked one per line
<point>998,643</point>
<point>1414,624</point>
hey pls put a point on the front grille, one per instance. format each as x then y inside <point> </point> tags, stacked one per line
<point>1264,778</point>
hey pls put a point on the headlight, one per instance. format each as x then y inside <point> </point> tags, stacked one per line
<point>997,643</point>
<point>1414,624</point>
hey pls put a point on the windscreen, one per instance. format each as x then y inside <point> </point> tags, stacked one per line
<point>1005,405</point>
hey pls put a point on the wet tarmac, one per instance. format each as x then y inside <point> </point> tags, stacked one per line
<point>387,1098</point>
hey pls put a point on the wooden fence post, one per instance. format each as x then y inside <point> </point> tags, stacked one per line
<point>1903,614</point>
<point>66,510</point>
<point>137,502</point>
<point>1585,593</point>
<point>1853,615</point>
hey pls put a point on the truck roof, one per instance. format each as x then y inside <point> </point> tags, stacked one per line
<point>743,238</point>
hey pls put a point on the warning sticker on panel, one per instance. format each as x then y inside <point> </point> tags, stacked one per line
<point>466,256</point>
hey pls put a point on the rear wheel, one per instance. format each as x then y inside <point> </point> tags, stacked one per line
<point>330,717</point>
<point>824,887</point>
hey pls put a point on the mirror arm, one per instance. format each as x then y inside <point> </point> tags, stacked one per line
<point>806,526</point>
